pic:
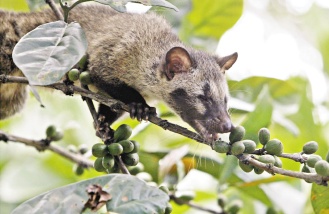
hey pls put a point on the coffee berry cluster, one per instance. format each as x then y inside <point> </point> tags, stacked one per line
<point>127,149</point>
<point>314,163</point>
<point>237,146</point>
<point>268,154</point>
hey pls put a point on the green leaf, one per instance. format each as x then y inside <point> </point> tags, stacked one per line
<point>46,53</point>
<point>211,18</point>
<point>254,190</point>
<point>260,117</point>
<point>285,92</point>
<point>120,5</point>
<point>141,197</point>
<point>319,198</point>
<point>170,160</point>
<point>17,5</point>
<point>129,195</point>
<point>228,169</point>
<point>36,95</point>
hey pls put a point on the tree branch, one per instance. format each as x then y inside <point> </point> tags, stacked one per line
<point>191,204</point>
<point>55,9</point>
<point>115,105</point>
<point>270,168</point>
<point>298,157</point>
<point>41,145</point>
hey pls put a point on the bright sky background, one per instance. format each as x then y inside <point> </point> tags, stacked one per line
<point>268,47</point>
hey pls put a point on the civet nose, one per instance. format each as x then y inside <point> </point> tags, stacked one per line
<point>226,127</point>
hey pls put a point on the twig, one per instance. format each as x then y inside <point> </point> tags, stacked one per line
<point>311,177</point>
<point>40,145</point>
<point>55,9</point>
<point>191,204</point>
<point>298,157</point>
<point>122,166</point>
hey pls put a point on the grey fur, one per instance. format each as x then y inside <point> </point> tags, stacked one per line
<point>132,48</point>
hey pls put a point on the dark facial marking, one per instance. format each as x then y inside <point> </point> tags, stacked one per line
<point>206,96</point>
<point>214,108</point>
<point>183,101</point>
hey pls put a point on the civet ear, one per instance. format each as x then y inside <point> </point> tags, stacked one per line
<point>226,62</point>
<point>178,60</point>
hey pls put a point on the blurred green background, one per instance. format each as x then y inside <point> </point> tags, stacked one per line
<point>280,81</point>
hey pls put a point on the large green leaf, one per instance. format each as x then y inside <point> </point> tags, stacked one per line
<point>128,195</point>
<point>46,53</point>
<point>120,5</point>
<point>319,199</point>
<point>260,117</point>
<point>228,169</point>
<point>285,92</point>
<point>211,18</point>
<point>171,159</point>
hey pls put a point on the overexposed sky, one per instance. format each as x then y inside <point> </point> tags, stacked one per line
<point>268,47</point>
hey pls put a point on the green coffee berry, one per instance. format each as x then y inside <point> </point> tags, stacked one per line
<point>185,195</point>
<point>274,147</point>
<point>99,150</point>
<point>234,206</point>
<point>310,147</point>
<point>50,131</point>
<point>136,146</point>
<point>322,168</point>
<point>237,148</point>
<point>164,189</point>
<point>83,149</point>
<point>278,162</point>
<point>306,169</point>
<point>312,159</point>
<point>221,147</point>
<point>136,169</point>
<point>130,159</point>
<point>221,200</point>
<point>249,145</point>
<point>263,135</point>
<point>258,171</point>
<point>83,61</point>
<point>123,132</point>
<point>57,136</point>
<point>245,167</point>
<point>266,159</point>
<point>85,78</point>
<point>115,149</point>
<point>271,210</point>
<point>98,165</point>
<point>114,169</point>
<point>144,176</point>
<point>127,146</point>
<point>74,74</point>
<point>168,209</point>
<point>108,161</point>
<point>237,134</point>
<point>78,169</point>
